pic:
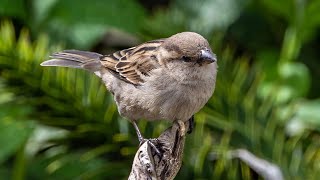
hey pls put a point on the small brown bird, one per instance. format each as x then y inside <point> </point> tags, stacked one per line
<point>164,79</point>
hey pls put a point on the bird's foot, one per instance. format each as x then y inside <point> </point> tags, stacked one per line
<point>151,142</point>
<point>182,128</point>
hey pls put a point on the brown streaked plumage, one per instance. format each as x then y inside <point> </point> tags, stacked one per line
<point>168,79</point>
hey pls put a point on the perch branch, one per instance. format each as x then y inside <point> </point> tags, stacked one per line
<point>148,165</point>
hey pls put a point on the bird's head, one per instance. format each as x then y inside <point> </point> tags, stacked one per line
<point>189,47</point>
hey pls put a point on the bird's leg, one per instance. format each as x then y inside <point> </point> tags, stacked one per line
<point>191,125</point>
<point>142,139</point>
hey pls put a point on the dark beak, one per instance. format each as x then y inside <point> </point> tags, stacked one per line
<point>207,56</point>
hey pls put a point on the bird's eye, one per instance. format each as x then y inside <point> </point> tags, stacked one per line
<point>186,59</point>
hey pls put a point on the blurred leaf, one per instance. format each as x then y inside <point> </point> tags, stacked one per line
<point>80,35</point>
<point>43,137</point>
<point>88,22</point>
<point>284,9</point>
<point>203,17</point>
<point>8,36</point>
<point>66,166</point>
<point>291,45</point>
<point>106,12</point>
<point>13,8</point>
<point>295,76</point>
<point>41,10</point>
<point>293,81</point>
<point>308,111</point>
<point>5,96</point>
<point>14,134</point>
<point>311,21</point>
<point>206,16</point>
<point>306,117</point>
<point>4,171</point>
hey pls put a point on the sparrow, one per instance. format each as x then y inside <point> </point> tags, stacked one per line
<point>164,79</point>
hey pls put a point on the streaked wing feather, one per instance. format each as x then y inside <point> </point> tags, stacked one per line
<point>109,61</point>
<point>133,63</point>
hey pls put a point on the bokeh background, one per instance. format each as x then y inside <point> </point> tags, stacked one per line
<point>59,123</point>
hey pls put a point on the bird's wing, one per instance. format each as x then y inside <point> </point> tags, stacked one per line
<point>133,63</point>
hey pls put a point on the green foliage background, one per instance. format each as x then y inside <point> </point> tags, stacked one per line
<point>58,123</point>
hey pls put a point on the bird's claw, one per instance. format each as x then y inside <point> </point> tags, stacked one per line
<point>182,128</point>
<point>152,145</point>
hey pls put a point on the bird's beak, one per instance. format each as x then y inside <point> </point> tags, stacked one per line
<point>207,56</point>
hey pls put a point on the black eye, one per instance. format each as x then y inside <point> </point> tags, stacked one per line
<point>186,59</point>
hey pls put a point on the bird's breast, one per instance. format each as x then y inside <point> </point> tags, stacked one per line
<point>177,96</point>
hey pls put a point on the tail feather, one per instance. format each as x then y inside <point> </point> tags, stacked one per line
<point>62,63</point>
<point>75,59</point>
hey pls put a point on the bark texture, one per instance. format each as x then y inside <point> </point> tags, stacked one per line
<point>148,165</point>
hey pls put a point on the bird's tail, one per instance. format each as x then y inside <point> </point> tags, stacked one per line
<point>75,59</point>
